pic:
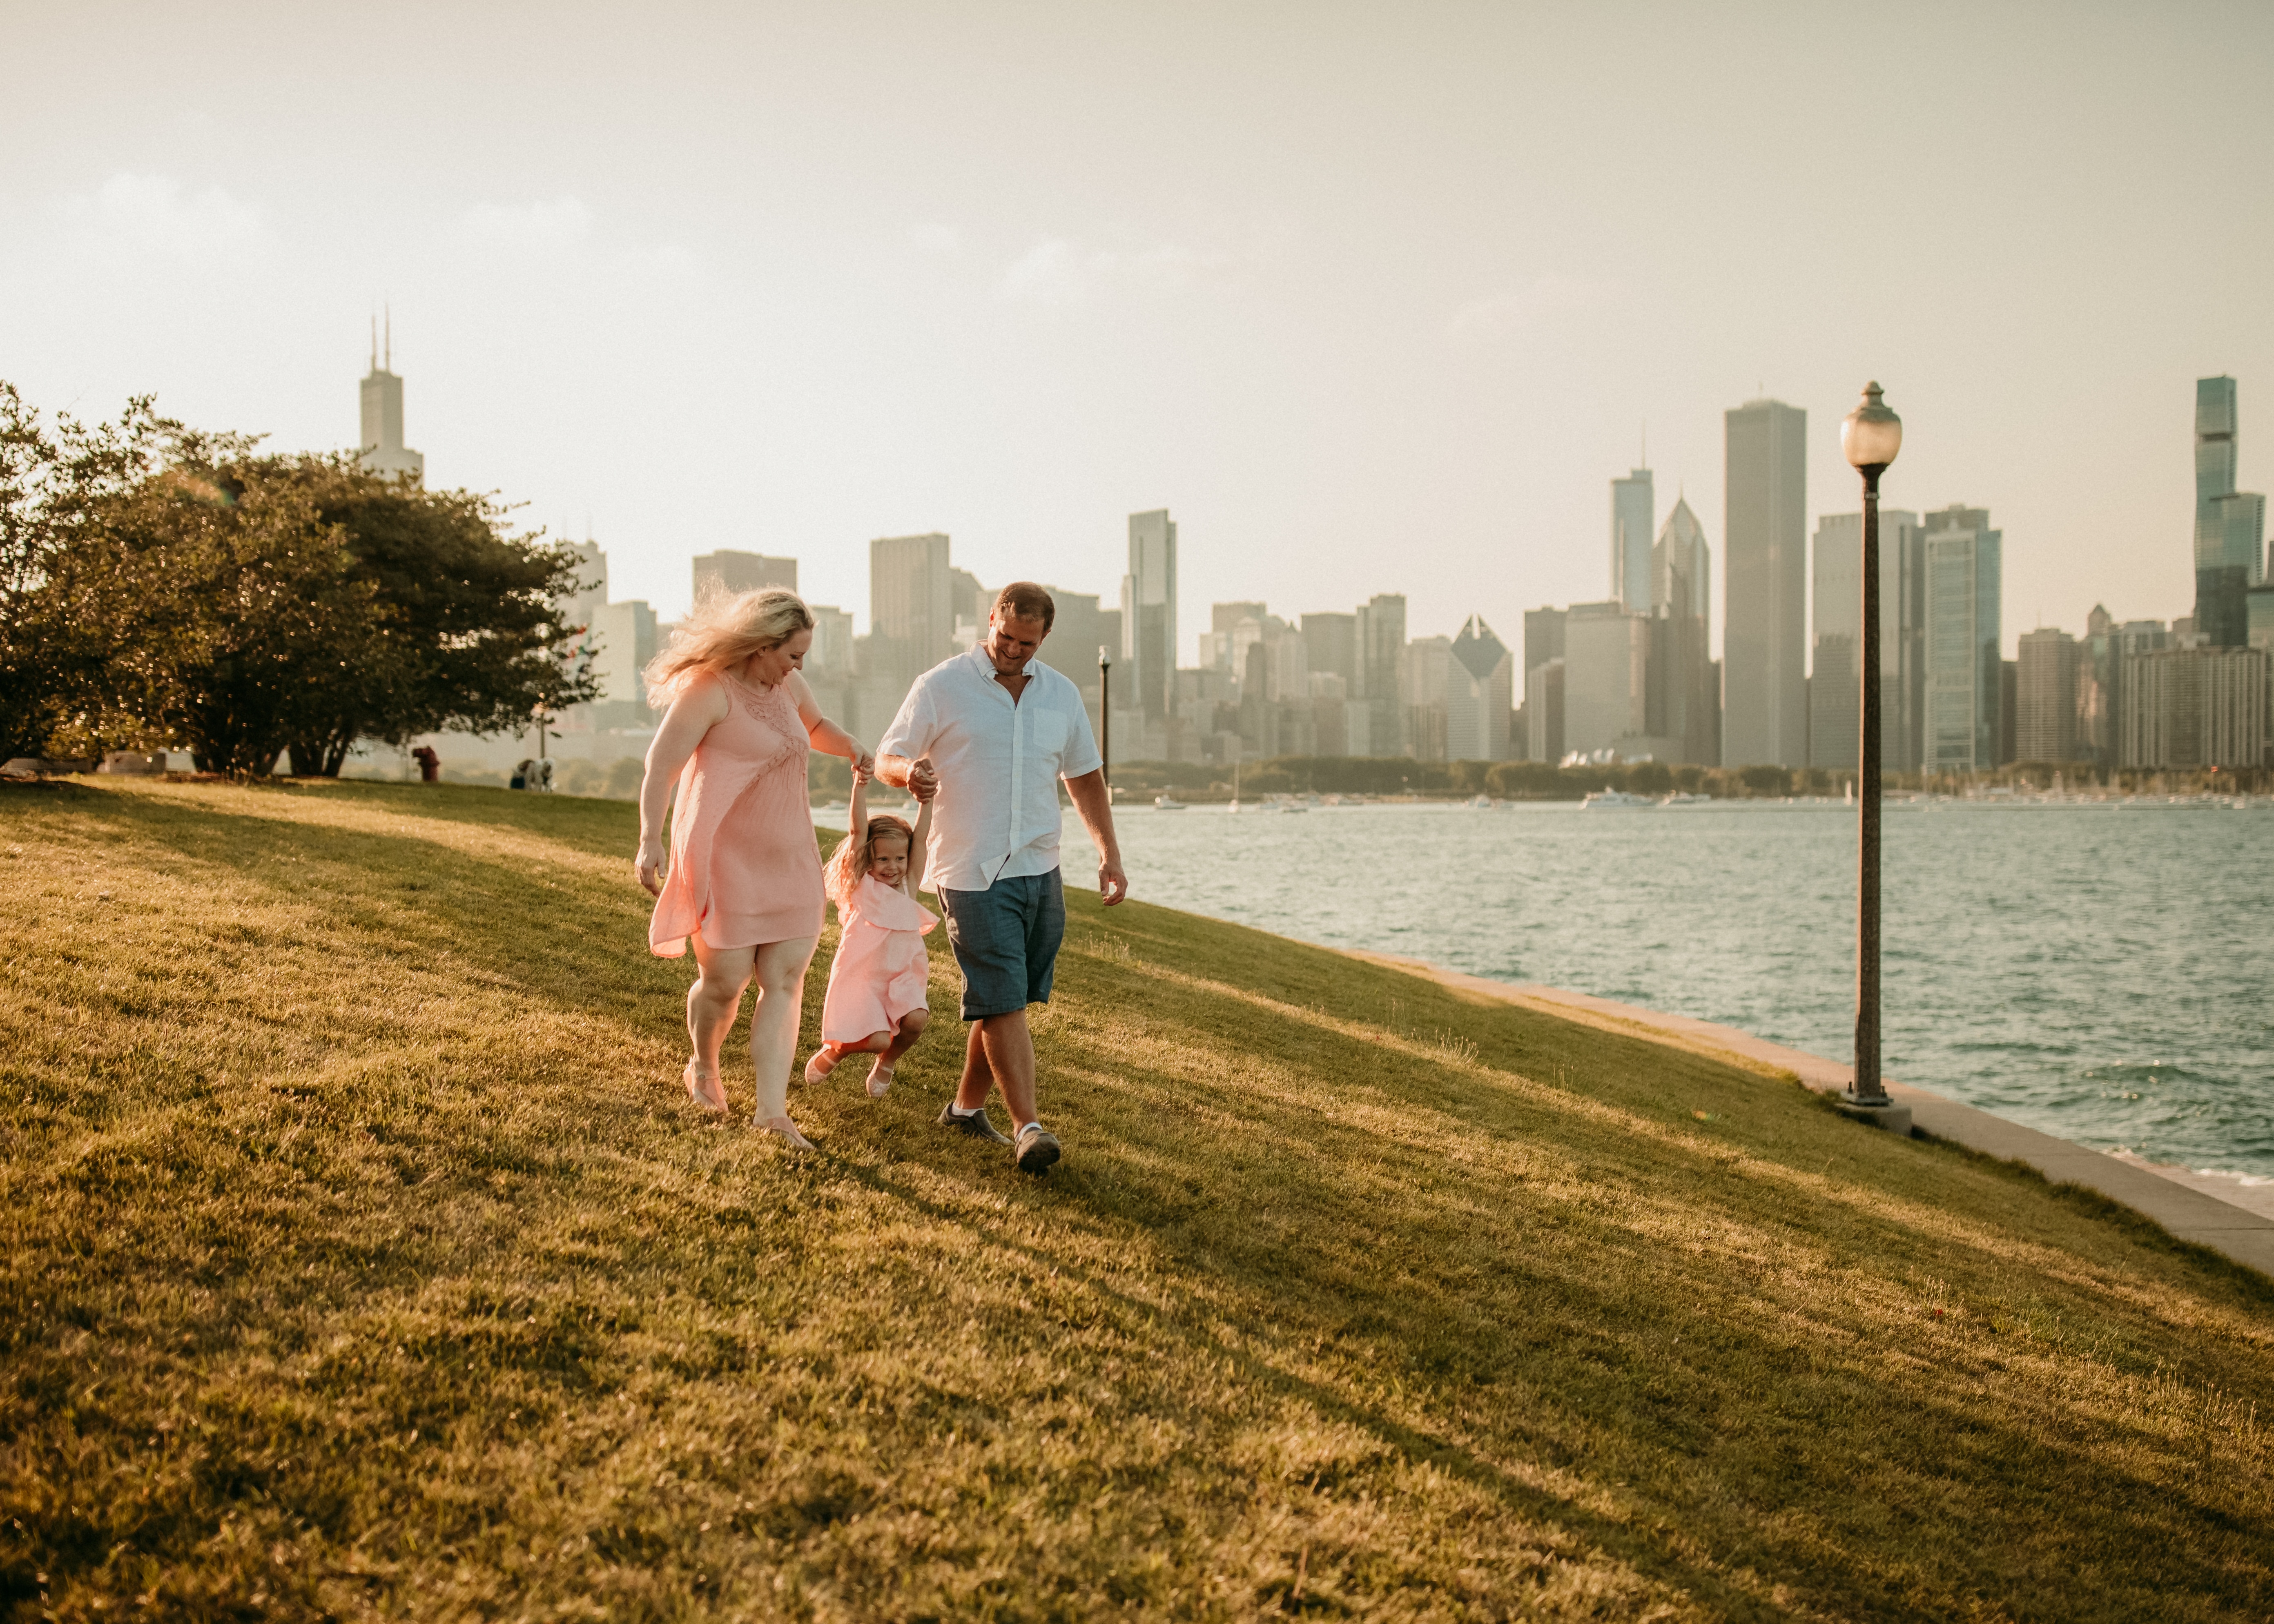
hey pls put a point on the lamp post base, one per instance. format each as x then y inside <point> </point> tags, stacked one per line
<point>1881,1113</point>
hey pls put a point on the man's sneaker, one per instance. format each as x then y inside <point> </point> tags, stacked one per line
<point>976,1125</point>
<point>1038,1148</point>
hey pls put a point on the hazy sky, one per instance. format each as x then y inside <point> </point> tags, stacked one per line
<point>1373,298</point>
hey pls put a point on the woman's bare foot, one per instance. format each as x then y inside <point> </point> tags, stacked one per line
<point>824,1062</point>
<point>880,1080</point>
<point>782,1128</point>
<point>704,1091</point>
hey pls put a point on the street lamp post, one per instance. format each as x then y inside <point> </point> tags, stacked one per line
<point>1105,720</point>
<point>1871,436</point>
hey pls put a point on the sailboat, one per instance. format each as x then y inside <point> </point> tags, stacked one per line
<point>1235,783</point>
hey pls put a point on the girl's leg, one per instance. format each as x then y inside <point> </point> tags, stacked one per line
<point>896,1044</point>
<point>780,973</point>
<point>712,1003</point>
<point>912,1026</point>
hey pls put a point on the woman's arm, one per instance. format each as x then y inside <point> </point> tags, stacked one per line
<point>826,735</point>
<point>701,706</point>
<point>916,846</point>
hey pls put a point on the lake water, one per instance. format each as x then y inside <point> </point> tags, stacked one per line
<point>2103,973</point>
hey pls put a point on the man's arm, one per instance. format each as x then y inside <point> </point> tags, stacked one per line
<point>1096,808</point>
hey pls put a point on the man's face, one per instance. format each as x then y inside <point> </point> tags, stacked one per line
<point>1012,642</point>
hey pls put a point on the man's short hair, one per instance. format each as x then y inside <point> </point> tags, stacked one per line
<point>1023,600</point>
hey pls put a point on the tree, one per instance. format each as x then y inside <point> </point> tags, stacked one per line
<point>472,629</point>
<point>55,483</point>
<point>226,609</point>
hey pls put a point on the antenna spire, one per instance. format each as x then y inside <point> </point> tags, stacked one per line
<point>390,338</point>
<point>374,342</point>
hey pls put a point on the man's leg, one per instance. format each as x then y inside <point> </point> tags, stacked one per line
<point>978,1079</point>
<point>1008,1050</point>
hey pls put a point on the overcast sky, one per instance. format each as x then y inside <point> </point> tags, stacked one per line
<point>1373,298</point>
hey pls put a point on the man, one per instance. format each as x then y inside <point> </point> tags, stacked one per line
<point>995,730</point>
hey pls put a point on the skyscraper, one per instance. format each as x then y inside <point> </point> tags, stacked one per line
<point>1634,513</point>
<point>1543,689</point>
<point>1765,617</point>
<point>1965,674</point>
<point>741,572</point>
<point>911,620</point>
<point>2045,700</point>
<point>1330,644</point>
<point>1477,683</point>
<point>1382,671</point>
<point>2230,525</point>
<point>381,449</point>
<point>1606,677</point>
<point>1835,696</point>
<point>1684,707</point>
<point>1149,613</point>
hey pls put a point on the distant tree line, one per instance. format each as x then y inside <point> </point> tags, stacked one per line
<point>162,587</point>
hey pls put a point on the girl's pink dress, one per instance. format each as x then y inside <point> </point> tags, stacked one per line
<point>744,867</point>
<point>879,972</point>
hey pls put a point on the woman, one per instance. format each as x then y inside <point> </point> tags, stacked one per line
<point>745,877</point>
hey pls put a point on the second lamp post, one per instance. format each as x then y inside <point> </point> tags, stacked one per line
<point>1871,436</point>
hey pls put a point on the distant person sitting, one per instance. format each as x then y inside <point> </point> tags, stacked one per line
<point>521,770</point>
<point>429,765</point>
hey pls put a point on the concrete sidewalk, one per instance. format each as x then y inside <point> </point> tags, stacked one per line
<point>2187,1213</point>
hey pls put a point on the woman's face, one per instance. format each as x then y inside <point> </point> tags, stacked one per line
<point>779,661</point>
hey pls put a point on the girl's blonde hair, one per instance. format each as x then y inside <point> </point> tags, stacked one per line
<point>723,630</point>
<point>851,858</point>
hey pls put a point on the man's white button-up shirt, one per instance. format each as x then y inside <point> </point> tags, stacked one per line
<point>999,761</point>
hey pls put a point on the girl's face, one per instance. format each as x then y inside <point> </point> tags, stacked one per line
<point>888,859</point>
<point>778,662</point>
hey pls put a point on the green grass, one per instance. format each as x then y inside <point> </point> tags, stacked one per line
<point>364,1259</point>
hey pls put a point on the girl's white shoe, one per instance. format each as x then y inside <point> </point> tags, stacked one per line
<point>821,1065</point>
<point>880,1080</point>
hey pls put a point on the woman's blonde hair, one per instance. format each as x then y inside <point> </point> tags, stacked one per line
<point>722,631</point>
<point>851,858</point>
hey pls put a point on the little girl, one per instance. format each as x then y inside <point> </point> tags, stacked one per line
<point>876,1002</point>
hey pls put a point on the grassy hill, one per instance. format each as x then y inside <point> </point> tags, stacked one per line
<point>363,1258</point>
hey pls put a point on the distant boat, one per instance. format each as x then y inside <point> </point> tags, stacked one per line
<point>1483,803</point>
<point>1614,800</point>
<point>1167,803</point>
<point>1291,806</point>
<point>1687,799</point>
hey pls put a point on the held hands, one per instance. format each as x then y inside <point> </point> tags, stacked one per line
<point>923,778</point>
<point>864,766</point>
<point>648,866</point>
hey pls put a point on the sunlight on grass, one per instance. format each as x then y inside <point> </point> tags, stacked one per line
<point>364,1259</point>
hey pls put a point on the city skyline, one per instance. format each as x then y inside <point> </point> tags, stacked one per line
<point>1371,286</point>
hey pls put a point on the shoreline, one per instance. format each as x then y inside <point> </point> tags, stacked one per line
<point>2191,1206</point>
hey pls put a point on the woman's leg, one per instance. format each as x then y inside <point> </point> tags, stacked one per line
<point>712,1003</point>
<point>780,974</point>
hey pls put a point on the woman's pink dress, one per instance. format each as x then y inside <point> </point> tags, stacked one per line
<point>745,868</point>
<point>879,972</point>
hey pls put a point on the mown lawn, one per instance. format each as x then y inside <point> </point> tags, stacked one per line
<point>364,1260</point>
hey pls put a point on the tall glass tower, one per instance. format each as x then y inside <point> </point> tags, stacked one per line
<point>2230,524</point>
<point>1634,508</point>
<point>1965,673</point>
<point>1764,599</point>
<point>1149,611</point>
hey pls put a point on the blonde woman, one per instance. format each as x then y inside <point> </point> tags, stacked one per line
<point>744,881</point>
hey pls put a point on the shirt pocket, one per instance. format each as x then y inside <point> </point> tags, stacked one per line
<point>1046,734</point>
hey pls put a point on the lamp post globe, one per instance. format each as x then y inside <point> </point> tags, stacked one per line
<point>1870,435</point>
